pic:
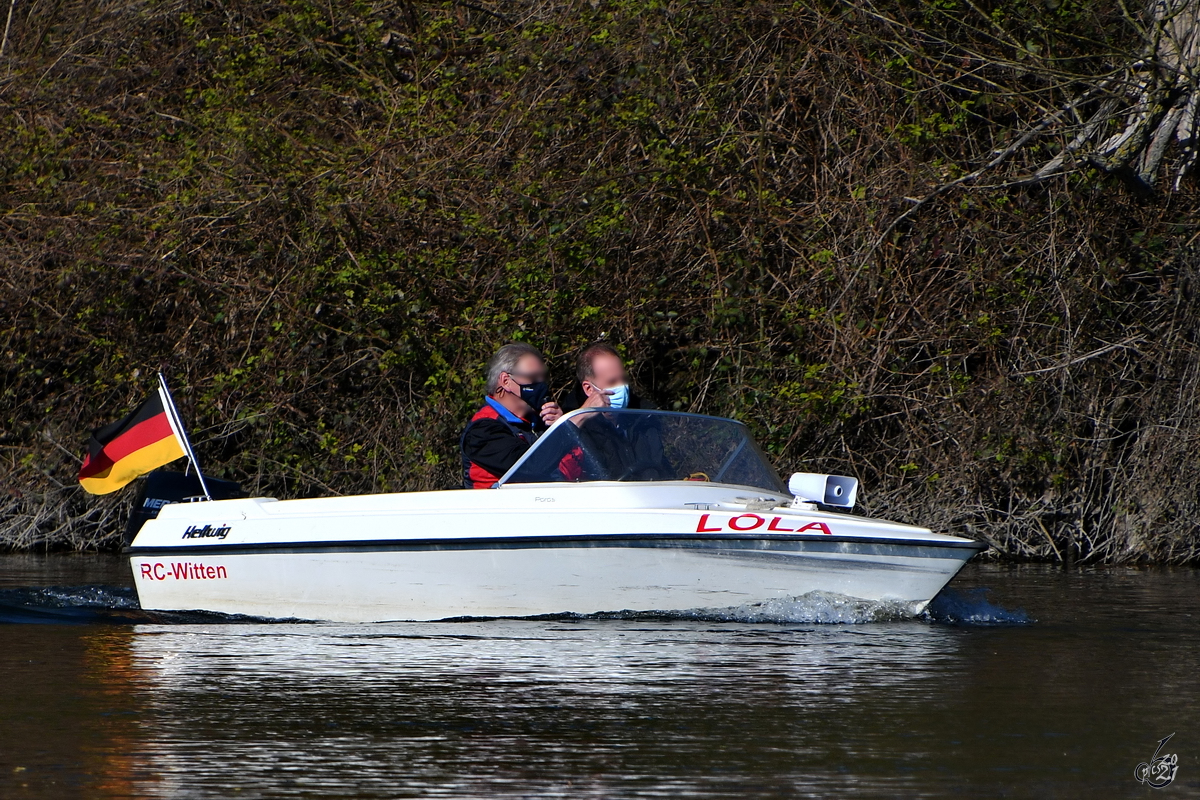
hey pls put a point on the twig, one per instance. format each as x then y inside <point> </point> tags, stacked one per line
<point>1085,357</point>
<point>174,118</point>
<point>7,26</point>
<point>482,10</point>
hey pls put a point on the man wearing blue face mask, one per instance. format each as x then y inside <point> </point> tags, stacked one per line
<point>516,410</point>
<point>632,446</point>
<point>602,381</point>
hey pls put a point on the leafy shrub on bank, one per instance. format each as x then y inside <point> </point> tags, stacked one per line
<point>319,222</point>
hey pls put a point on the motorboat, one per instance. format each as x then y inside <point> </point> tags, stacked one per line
<point>608,511</point>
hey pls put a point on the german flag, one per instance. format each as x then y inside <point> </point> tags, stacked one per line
<point>143,441</point>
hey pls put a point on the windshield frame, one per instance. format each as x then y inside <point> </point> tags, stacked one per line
<point>565,420</point>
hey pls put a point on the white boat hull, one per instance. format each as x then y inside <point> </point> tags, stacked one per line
<point>309,559</point>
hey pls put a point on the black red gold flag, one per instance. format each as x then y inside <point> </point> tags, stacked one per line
<point>137,444</point>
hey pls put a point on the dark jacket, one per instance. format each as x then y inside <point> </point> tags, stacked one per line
<point>492,442</point>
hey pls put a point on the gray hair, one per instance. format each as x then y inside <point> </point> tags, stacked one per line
<point>505,360</point>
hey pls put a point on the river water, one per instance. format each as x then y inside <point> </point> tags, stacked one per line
<point>1023,682</point>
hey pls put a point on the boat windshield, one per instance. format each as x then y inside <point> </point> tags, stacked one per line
<point>634,445</point>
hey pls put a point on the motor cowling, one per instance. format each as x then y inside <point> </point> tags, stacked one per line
<point>164,487</point>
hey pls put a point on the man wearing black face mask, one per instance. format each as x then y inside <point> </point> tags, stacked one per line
<point>515,411</point>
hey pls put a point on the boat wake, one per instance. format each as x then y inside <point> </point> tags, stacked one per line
<point>814,608</point>
<point>972,607</point>
<point>951,607</point>
<point>69,605</point>
<point>823,608</point>
<point>83,605</point>
<point>90,605</point>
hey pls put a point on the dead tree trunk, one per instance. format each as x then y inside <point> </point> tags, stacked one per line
<point>1151,103</point>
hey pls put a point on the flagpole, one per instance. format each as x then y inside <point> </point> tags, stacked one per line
<point>174,412</point>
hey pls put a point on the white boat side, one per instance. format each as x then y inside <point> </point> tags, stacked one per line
<point>527,549</point>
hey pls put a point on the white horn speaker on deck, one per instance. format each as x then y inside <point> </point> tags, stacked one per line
<point>830,490</point>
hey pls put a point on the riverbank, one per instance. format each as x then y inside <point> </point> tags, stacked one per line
<point>319,223</point>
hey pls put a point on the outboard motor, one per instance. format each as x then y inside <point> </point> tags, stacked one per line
<point>163,488</point>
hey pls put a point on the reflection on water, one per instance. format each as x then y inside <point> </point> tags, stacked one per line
<point>525,707</point>
<point>1066,707</point>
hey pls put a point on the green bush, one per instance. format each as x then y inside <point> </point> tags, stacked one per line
<point>319,222</point>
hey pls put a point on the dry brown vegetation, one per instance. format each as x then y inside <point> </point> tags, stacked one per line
<point>319,221</point>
